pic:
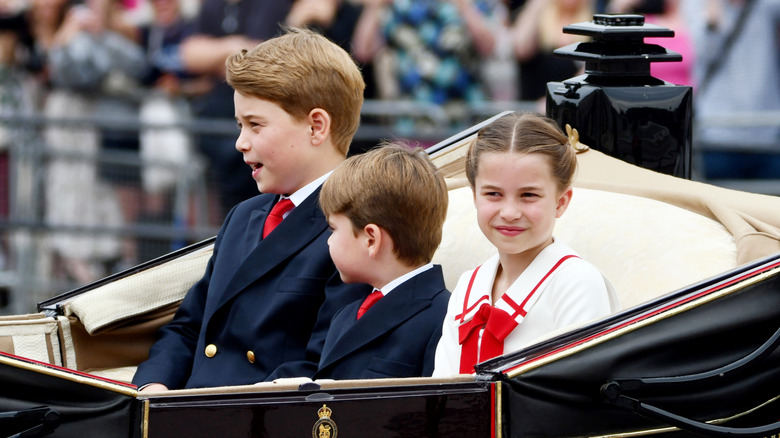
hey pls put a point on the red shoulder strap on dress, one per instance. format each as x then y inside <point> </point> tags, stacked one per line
<point>462,316</point>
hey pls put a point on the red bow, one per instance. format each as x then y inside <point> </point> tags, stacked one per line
<point>497,324</point>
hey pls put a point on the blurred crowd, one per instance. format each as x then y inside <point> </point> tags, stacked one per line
<point>162,61</point>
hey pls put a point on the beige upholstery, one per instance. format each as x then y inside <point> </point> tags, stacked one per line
<point>140,293</point>
<point>31,336</point>
<point>645,247</point>
<point>108,330</point>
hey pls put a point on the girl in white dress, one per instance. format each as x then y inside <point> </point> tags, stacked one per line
<point>520,169</point>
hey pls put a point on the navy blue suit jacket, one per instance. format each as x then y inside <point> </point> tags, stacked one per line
<point>396,337</point>
<point>273,297</point>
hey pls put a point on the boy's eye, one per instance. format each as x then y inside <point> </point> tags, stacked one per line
<point>250,125</point>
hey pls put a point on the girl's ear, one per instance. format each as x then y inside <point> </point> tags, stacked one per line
<point>319,123</point>
<point>563,202</point>
<point>373,239</point>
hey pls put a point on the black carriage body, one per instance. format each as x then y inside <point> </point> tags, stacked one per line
<point>38,399</point>
<point>41,400</point>
<point>696,353</point>
<point>424,410</point>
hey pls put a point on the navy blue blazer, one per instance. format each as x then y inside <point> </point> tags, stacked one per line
<point>396,337</point>
<point>262,307</point>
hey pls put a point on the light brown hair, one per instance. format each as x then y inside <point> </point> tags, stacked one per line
<point>299,71</point>
<point>397,188</point>
<point>525,133</point>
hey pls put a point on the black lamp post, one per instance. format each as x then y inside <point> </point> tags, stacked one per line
<point>617,106</point>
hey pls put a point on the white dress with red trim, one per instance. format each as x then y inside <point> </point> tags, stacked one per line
<point>558,290</point>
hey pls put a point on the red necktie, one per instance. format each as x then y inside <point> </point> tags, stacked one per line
<point>497,324</point>
<point>276,215</point>
<point>370,300</point>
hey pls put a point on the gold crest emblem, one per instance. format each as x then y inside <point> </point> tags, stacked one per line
<point>324,427</point>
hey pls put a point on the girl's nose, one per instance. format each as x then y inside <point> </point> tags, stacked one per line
<point>511,211</point>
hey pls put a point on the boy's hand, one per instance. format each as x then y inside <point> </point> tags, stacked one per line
<point>154,387</point>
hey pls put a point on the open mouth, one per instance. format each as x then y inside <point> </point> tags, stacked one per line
<point>255,168</point>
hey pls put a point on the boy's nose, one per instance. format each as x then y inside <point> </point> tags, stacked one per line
<point>241,144</point>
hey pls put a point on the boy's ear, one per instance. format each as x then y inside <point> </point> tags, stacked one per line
<point>374,239</point>
<point>563,202</point>
<point>319,123</point>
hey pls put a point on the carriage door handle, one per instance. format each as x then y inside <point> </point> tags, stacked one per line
<point>613,393</point>
<point>47,418</point>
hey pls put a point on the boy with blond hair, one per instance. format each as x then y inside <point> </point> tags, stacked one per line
<point>262,309</point>
<point>386,208</point>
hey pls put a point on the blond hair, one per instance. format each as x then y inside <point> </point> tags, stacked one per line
<point>299,71</point>
<point>525,133</point>
<point>397,188</point>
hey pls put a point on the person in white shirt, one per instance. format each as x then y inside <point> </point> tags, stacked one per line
<point>520,169</point>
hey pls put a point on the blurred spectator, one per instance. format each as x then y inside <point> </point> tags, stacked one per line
<point>21,36</point>
<point>429,50</point>
<point>167,153</point>
<point>643,7</point>
<point>737,71</point>
<point>326,16</point>
<point>27,32</point>
<point>337,20</point>
<point>161,38</point>
<point>664,13</point>
<point>94,67</point>
<point>224,27</point>
<point>499,66</point>
<point>537,31</point>
<point>15,35</point>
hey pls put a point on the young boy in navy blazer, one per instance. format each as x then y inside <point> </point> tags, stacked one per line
<point>386,208</point>
<point>263,306</point>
